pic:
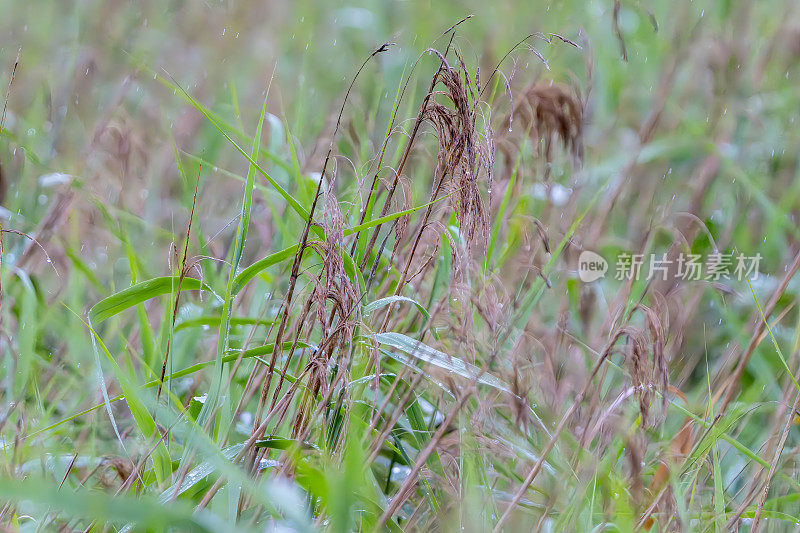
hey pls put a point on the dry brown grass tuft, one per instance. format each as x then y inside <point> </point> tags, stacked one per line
<point>464,156</point>
<point>544,112</point>
<point>648,374</point>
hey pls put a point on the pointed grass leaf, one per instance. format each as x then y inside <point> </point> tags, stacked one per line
<point>381,302</point>
<point>432,356</point>
<point>141,292</point>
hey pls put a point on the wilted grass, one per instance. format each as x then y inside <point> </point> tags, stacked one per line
<point>260,271</point>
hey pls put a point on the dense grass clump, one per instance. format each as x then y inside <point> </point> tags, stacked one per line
<point>260,272</point>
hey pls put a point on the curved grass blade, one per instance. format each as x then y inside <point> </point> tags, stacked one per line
<point>377,304</point>
<point>243,277</point>
<point>141,292</point>
<point>432,356</point>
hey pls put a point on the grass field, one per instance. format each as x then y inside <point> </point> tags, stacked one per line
<point>399,265</point>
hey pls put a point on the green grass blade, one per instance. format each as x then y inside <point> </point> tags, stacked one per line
<point>141,292</point>
<point>425,353</point>
<point>382,302</point>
